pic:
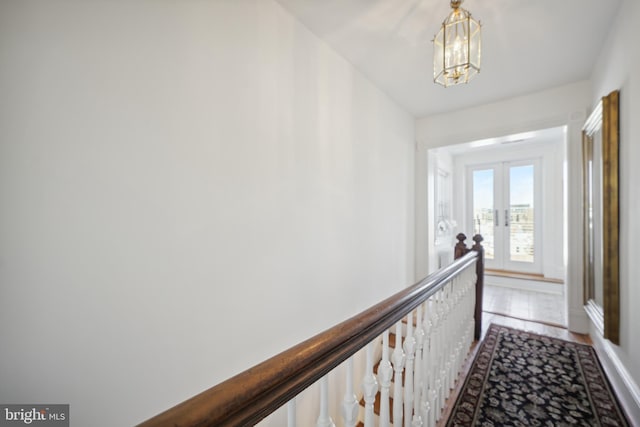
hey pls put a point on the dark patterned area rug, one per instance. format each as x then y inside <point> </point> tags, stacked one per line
<point>523,379</point>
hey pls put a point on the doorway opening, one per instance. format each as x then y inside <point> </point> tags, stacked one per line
<point>511,190</point>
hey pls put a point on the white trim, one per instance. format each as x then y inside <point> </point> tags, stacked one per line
<point>596,315</point>
<point>594,122</point>
<point>624,386</point>
<point>578,321</point>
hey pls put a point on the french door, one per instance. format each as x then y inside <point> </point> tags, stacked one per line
<point>504,206</point>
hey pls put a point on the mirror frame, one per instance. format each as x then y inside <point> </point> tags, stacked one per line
<point>604,119</point>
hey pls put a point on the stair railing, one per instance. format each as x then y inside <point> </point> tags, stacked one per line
<point>440,316</point>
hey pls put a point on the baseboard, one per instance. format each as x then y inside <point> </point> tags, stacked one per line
<point>578,321</point>
<point>624,386</point>
<point>521,275</point>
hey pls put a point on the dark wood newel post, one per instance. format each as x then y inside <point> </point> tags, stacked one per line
<point>461,250</point>
<point>479,284</point>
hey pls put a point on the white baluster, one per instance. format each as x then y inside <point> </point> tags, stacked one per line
<point>472,303</point>
<point>455,321</point>
<point>324,420</point>
<point>370,388</point>
<point>469,318</point>
<point>426,364</point>
<point>448,324</point>
<point>417,370</point>
<point>460,352</point>
<point>457,349</point>
<point>409,351</point>
<point>291,413</point>
<point>385,373</point>
<point>350,402</point>
<point>459,305</point>
<point>398,366</point>
<point>448,339</point>
<point>446,363</point>
<point>440,352</point>
<point>433,375</point>
<point>466,296</point>
<point>433,372</point>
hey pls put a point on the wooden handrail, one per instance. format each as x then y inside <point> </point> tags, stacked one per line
<point>250,396</point>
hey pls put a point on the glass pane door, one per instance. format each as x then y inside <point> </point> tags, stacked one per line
<point>504,208</point>
<point>522,235</point>
<point>521,213</point>
<point>484,209</point>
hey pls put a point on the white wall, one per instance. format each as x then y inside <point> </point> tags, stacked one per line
<point>619,68</point>
<point>562,106</point>
<point>186,188</point>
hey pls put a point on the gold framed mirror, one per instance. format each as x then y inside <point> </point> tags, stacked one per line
<point>600,141</point>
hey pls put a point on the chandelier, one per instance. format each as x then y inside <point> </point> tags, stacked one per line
<point>456,55</point>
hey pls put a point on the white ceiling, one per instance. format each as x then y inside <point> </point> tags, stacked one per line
<point>527,45</point>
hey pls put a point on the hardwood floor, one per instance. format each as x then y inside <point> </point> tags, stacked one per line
<point>525,304</point>
<point>489,318</point>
